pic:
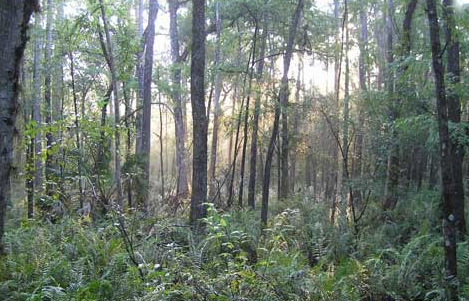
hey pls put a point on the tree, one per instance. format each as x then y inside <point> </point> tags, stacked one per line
<point>199,116</point>
<point>454,113</point>
<point>37,108</point>
<point>180,130</point>
<point>448,193</point>
<point>216,105</point>
<point>257,107</point>
<point>282,98</point>
<point>14,21</point>
<point>115,89</point>
<point>146,118</point>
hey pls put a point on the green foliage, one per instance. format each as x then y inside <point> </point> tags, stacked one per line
<point>299,256</point>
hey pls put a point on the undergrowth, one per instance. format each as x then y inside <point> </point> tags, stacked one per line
<point>300,255</point>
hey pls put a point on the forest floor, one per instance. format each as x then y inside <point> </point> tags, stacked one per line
<point>299,256</point>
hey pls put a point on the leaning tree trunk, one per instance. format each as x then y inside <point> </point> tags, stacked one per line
<point>14,20</point>
<point>199,116</point>
<point>110,60</point>
<point>180,130</point>
<point>283,93</point>
<point>448,193</point>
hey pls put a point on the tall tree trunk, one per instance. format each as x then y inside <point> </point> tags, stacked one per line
<point>448,193</point>
<point>49,168</point>
<point>199,116</point>
<point>454,113</point>
<point>363,40</point>
<point>255,122</point>
<point>180,129</point>
<point>117,172</point>
<point>140,76</point>
<point>246,118</point>
<point>14,20</point>
<point>216,111</point>
<point>146,118</point>
<point>393,169</point>
<point>283,93</point>
<point>37,71</point>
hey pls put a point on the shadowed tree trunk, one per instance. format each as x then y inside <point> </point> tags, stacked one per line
<point>283,94</point>
<point>448,193</point>
<point>454,112</point>
<point>199,116</point>
<point>14,20</point>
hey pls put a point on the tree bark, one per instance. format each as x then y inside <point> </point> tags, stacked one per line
<point>199,116</point>
<point>454,113</point>
<point>14,20</point>
<point>448,193</point>
<point>283,93</point>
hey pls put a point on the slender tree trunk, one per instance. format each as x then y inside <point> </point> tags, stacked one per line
<point>128,141</point>
<point>77,129</point>
<point>246,119</point>
<point>454,113</point>
<point>283,93</point>
<point>117,172</point>
<point>14,20</point>
<point>216,111</point>
<point>449,225</point>
<point>37,71</point>
<point>255,122</point>
<point>363,40</point>
<point>161,154</point>
<point>49,168</point>
<point>393,169</point>
<point>146,118</point>
<point>140,76</point>
<point>180,129</point>
<point>199,116</point>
